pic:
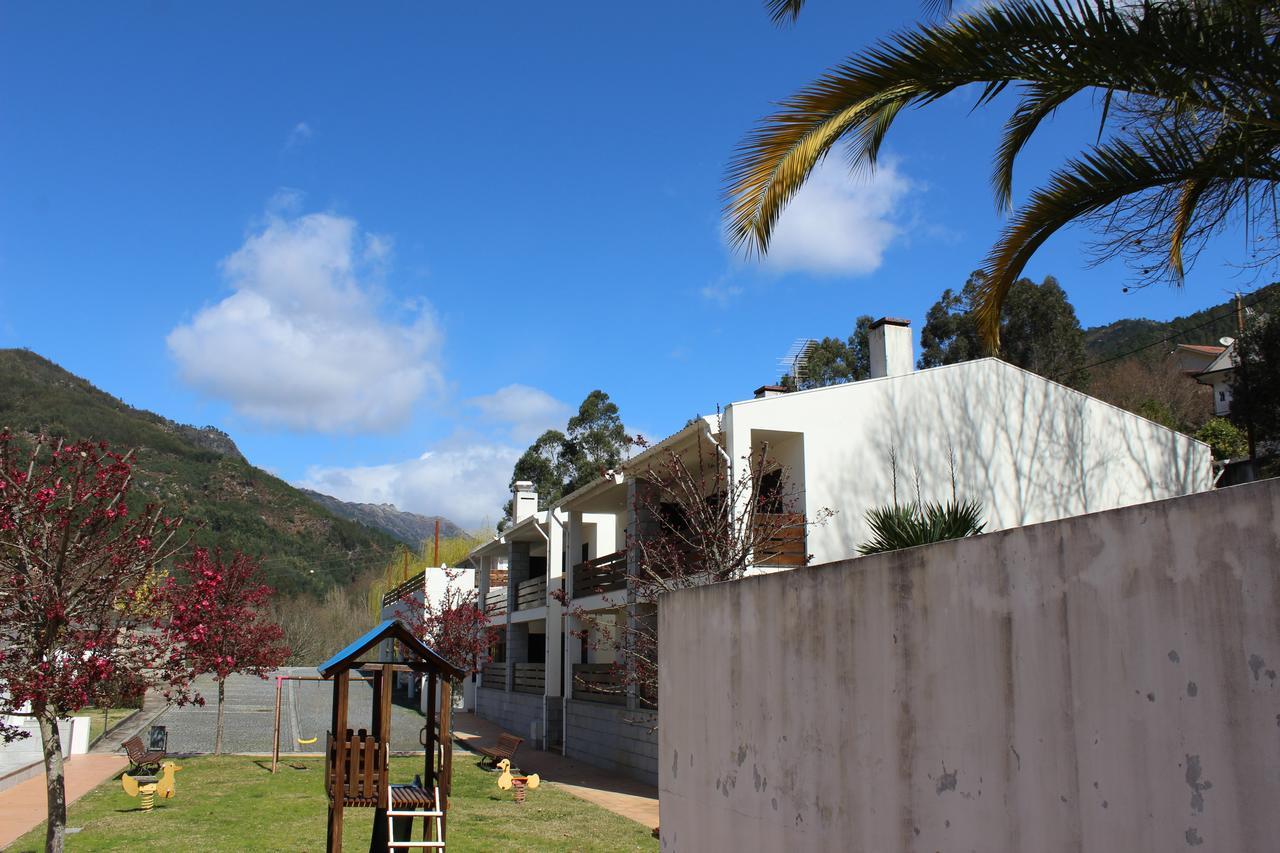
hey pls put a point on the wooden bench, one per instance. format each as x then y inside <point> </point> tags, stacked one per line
<point>504,748</point>
<point>141,757</point>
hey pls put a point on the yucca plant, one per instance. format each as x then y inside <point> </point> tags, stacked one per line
<point>1189,133</point>
<point>897,526</point>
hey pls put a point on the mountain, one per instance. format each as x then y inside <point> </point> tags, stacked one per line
<point>200,473</point>
<point>408,527</point>
<point>1203,327</point>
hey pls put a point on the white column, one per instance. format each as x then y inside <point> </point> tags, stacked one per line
<point>555,575</point>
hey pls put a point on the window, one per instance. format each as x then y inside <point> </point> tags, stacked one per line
<point>1222,396</point>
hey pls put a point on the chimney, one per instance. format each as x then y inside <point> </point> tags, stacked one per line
<point>890,341</point>
<point>524,501</point>
<point>769,391</point>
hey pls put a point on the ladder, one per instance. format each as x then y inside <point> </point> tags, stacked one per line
<point>435,813</point>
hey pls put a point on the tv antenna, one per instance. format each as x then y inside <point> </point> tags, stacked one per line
<point>796,361</point>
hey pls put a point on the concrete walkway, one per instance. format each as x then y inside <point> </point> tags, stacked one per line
<point>619,794</point>
<point>24,806</point>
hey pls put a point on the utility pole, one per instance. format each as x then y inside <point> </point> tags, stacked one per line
<point>435,552</point>
<point>1244,380</point>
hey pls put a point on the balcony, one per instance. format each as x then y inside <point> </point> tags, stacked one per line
<point>495,603</point>
<point>531,593</point>
<point>494,675</point>
<point>599,682</point>
<point>780,538</point>
<point>602,574</point>
<point>529,678</point>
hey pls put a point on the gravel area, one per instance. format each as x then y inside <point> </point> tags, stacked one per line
<point>305,712</point>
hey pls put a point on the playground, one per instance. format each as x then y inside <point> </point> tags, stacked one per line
<point>305,707</point>
<point>233,803</point>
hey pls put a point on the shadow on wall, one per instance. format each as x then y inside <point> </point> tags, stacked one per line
<point>1030,450</point>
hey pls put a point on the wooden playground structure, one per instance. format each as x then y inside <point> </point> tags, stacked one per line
<point>357,768</point>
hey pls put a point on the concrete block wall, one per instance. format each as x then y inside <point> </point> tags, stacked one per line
<point>1102,683</point>
<point>513,711</point>
<point>604,736</point>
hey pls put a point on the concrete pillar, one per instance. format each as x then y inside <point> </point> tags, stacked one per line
<point>641,495</point>
<point>555,611</point>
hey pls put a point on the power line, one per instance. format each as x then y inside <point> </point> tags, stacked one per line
<point>1167,339</point>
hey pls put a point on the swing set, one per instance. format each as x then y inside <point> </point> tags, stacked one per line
<point>357,766</point>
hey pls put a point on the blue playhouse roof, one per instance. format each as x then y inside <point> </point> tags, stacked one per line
<point>393,629</point>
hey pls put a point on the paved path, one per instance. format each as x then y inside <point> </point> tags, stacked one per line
<point>305,714</point>
<point>24,806</point>
<point>619,794</point>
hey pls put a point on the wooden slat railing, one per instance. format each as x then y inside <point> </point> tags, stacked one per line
<point>413,584</point>
<point>598,682</point>
<point>529,678</point>
<point>780,539</point>
<point>603,574</point>
<point>365,760</point>
<point>531,593</point>
<point>495,603</point>
<point>494,675</point>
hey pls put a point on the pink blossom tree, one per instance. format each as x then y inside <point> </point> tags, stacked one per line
<point>454,625</point>
<point>81,609</point>
<point>219,609</point>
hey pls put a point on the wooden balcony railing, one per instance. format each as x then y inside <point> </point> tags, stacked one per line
<point>531,593</point>
<point>413,584</point>
<point>494,675</point>
<point>495,603</point>
<point>529,678</point>
<point>598,682</point>
<point>782,542</point>
<point>603,574</point>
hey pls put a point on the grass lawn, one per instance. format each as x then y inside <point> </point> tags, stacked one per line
<point>112,716</point>
<point>233,803</point>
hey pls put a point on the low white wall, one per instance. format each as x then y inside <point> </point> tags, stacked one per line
<point>1102,683</point>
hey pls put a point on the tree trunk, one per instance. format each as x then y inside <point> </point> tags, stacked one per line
<point>55,782</point>
<point>217,738</point>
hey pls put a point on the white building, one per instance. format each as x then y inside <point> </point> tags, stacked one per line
<point>1219,374</point>
<point>433,584</point>
<point>1028,449</point>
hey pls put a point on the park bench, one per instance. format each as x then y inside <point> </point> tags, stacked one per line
<point>141,757</point>
<point>504,748</point>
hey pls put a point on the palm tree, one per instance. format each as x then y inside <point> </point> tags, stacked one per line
<point>895,526</point>
<point>1189,96</point>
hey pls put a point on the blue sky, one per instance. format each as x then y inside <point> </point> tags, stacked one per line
<point>383,245</point>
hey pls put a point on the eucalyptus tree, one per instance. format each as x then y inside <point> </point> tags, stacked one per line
<point>1188,96</point>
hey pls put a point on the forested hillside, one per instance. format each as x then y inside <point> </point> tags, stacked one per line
<point>198,473</point>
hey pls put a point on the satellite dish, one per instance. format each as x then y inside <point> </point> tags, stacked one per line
<point>1226,342</point>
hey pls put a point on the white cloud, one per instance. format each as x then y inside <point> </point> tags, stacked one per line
<point>464,481</point>
<point>840,224</point>
<point>301,133</point>
<point>722,291</point>
<point>528,411</point>
<point>302,342</point>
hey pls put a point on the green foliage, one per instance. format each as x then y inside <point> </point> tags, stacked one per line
<point>558,462</point>
<point>832,361</point>
<point>1255,388</point>
<point>894,526</point>
<point>1039,330</point>
<point>1226,439</point>
<point>1203,327</point>
<point>197,474</point>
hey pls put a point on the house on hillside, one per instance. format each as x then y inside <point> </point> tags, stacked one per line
<point>1027,448</point>
<point>1212,366</point>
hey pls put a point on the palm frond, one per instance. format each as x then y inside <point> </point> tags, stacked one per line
<point>1195,67</point>
<point>784,11</point>
<point>894,527</point>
